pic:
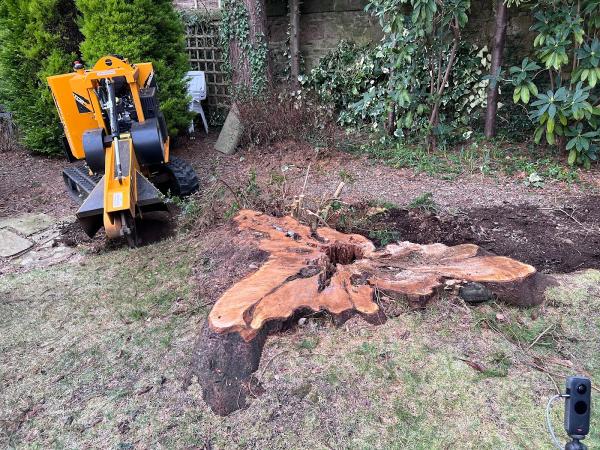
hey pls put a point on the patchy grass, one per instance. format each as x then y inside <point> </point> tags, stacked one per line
<point>497,364</point>
<point>424,202</point>
<point>384,237</point>
<point>309,343</point>
<point>475,157</point>
<point>383,204</point>
<point>405,384</point>
<point>96,355</point>
<point>79,343</point>
<point>346,176</point>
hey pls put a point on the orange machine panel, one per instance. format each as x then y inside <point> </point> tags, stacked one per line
<point>75,110</point>
<point>77,103</point>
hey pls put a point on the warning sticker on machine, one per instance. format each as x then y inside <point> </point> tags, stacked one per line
<point>117,200</point>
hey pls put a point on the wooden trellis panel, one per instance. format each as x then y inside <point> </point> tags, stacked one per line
<point>202,45</point>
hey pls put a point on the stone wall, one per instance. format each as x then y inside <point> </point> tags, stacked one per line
<point>207,5</point>
<point>323,23</point>
<point>481,27</point>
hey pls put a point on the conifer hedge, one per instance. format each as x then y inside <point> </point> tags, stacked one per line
<point>142,31</point>
<point>38,38</point>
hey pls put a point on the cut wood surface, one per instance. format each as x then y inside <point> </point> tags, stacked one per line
<point>341,273</point>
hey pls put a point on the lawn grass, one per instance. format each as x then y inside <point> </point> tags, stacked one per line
<point>96,355</point>
<point>478,156</point>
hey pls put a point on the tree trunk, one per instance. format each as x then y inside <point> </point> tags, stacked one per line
<point>324,270</point>
<point>390,123</point>
<point>240,69</point>
<point>294,6</point>
<point>497,56</point>
<point>434,119</point>
<point>241,77</point>
<point>441,85</point>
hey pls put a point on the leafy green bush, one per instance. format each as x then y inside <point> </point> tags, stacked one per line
<point>560,82</point>
<point>38,38</point>
<point>355,80</point>
<point>142,31</point>
<point>343,74</point>
<point>400,86</point>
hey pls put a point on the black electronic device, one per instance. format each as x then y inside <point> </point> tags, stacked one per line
<point>578,405</point>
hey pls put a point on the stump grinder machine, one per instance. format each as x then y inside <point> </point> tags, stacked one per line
<point>112,121</point>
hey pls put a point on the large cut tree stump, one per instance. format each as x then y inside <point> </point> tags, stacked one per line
<point>338,273</point>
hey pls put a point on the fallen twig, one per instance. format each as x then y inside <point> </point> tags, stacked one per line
<point>336,194</point>
<point>306,179</point>
<point>262,372</point>
<point>535,341</point>
<point>546,371</point>
<point>318,217</point>
<point>553,382</point>
<point>237,199</point>
<point>473,364</point>
<point>570,216</point>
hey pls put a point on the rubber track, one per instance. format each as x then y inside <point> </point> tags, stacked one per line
<point>187,180</point>
<point>79,174</point>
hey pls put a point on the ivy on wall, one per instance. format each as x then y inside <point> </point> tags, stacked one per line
<point>236,28</point>
<point>199,17</point>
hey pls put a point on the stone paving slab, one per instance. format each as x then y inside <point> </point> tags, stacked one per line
<point>11,243</point>
<point>28,224</point>
<point>230,134</point>
<point>46,256</point>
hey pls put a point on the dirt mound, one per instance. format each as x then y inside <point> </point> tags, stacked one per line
<point>554,240</point>
<point>229,257</point>
<point>72,235</point>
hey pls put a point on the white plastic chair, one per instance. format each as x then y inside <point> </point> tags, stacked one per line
<point>197,90</point>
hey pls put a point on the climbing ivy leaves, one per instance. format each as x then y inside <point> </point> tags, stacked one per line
<point>252,63</point>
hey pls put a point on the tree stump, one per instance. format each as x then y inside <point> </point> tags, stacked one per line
<point>338,273</point>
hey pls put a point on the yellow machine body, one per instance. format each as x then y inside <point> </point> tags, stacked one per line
<point>104,115</point>
<point>74,93</point>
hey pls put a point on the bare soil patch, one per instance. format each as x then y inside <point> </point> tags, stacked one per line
<point>32,184</point>
<point>555,228</point>
<point>367,179</point>
<point>227,258</point>
<point>557,239</point>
